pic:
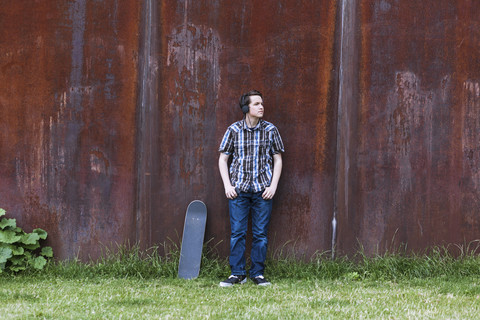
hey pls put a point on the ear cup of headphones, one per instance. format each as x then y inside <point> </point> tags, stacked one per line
<point>245,108</point>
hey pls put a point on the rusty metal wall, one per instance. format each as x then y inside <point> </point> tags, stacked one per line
<point>413,158</point>
<point>68,73</point>
<point>212,52</point>
<point>112,112</point>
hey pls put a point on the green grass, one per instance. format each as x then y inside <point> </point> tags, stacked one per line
<point>131,284</point>
<point>132,298</point>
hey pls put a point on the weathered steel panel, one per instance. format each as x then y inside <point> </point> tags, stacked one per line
<point>68,89</point>
<point>112,112</point>
<point>212,52</point>
<point>414,161</point>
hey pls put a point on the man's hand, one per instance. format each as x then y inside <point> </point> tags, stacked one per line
<point>269,192</point>
<point>230,192</point>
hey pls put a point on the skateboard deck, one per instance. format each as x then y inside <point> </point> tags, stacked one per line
<point>192,240</point>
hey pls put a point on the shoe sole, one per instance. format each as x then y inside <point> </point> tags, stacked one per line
<point>264,284</point>
<point>261,281</point>
<point>226,284</point>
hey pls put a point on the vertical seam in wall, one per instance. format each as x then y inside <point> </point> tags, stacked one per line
<point>343,120</point>
<point>144,129</point>
<point>338,129</point>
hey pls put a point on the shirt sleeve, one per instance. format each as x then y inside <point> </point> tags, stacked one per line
<point>277,143</point>
<point>228,142</point>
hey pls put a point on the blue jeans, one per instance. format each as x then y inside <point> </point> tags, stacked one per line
<point>239,210</point>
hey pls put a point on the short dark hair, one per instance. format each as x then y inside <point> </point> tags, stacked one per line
<point>245,98</point>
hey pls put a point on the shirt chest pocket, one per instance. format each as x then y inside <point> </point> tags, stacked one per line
<point>263,148</point>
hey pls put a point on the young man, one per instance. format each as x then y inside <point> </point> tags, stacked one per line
<point>250,184</point>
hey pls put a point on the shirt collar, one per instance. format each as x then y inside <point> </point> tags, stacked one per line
<point>259,124</point>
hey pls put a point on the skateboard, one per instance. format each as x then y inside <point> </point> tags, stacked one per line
<point>192,240</point>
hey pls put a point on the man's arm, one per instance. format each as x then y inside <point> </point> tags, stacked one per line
<point>277,171</point>
<point>223,167</point>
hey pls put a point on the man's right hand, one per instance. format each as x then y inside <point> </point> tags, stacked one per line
<point>230,192</point>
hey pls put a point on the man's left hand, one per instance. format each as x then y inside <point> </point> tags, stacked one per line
<point>269,192</point>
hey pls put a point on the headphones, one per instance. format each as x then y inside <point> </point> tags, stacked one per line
<point>245,100</point>
<point>245,108</point>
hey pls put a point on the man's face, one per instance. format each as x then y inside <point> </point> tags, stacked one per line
<point>256,106</point>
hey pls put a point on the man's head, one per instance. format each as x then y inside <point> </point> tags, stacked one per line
<point>246,100</point>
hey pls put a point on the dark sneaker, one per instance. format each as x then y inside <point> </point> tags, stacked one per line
<point>233,280</point>
<point>261,281</point>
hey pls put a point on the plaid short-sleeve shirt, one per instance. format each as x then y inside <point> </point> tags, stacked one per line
<point>252,150</point>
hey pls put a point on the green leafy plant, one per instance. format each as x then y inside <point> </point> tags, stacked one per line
<point>20,250</point>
